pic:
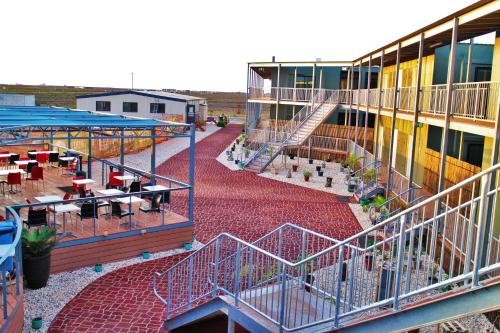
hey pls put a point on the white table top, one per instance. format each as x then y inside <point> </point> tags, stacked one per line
<point>156,188</point>
<point>110,191</point>
<point>66,208</point>
<point>83,181</point>
<point>67,158</point>
<point>25,162</point>
<point>6,155</point>
<point>126,177</point>
<point>43,152</point>
<point>6,172</point>
<point>49,198</point>
<point>131,199</point>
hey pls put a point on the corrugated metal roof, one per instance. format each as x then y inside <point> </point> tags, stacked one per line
<point>148,93</point>
<point>27,116</point>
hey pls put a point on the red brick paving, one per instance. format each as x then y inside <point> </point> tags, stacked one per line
<point>240,203</point>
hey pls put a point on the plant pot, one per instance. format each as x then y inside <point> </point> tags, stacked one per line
<point>36,270</point>
<point>36,323</point>
<point>98,268</point>
<point>368,262</point>
<point>237,141</point>
<point>311,161</point>
<point>318,167</point>
<point>236,161</point>
<point>351,187</point>
<point>292,156</point>
<point>240,165</point>
<point>146,255</point>
<point>233,148</point>
<point>187,246</point>
<point>306,178</point>
<point>295,167</point>
<point>328,182</point>
<point>363,202</point>
<point>310,281</point>
<point>320,173</point>
<point>228,152</point>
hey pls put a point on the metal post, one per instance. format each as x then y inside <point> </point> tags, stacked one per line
<point>449,101</point>
<point>277,103</point>
<point>367,106</point>
<point>89,157</point>
<point>469,60</point>
<point>481,229</point>
<point>400,262</point>
<point>309,149</point>
<point>153,153</point>
<point>247,113</point>
<point>230,325</point>
<point>295,85</point>
<point>191,172</point>
<point>122,148</point>
<point>350,102</point>
<point>379,106</point>
<point>69,138</point>
<point>416,110</point>
<point>357,104</point>
<point>347,88</point>
<point>393,126</point>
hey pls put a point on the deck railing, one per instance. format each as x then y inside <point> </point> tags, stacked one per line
<point>11,270</point>
<point>298,279</point>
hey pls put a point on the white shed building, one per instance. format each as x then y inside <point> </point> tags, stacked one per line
<point>148,104</point>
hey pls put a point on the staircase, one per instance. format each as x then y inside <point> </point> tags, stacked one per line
<point>296,131</point>
<point>412,269</point>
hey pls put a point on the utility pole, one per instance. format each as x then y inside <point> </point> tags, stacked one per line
<point>132,74</point>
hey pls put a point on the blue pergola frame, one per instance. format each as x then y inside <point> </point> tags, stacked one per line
<point>19,123</point>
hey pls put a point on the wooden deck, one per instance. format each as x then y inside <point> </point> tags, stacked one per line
<point>110,238</point>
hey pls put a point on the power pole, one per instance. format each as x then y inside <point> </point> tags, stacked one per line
<point>132,74</point>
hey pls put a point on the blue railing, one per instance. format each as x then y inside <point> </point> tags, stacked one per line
<point>11,270</point>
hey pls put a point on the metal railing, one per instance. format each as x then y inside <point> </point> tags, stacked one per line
<point>11,270</point>
<point>296,283</point>
<point>359,151</point>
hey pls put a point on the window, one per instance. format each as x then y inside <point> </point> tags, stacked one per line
<point>129,107</point>
<point>434,138</point>
<point>102,106</point>
<point>157,107</point>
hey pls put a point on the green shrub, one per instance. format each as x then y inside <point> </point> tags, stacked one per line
<point>221,123</point>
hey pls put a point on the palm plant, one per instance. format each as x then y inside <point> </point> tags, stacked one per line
<point>38,242</point>
<point>352,159</point>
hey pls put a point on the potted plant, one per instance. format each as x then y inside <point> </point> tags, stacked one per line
<point>341,166</point>
<point>291,156</point>
<point>378,202</point>
<point>318,167</point>
<point>237,141</point>
<point>384,212</point>
<point>320,173</point>
<point>295,167</point>
<point>370,174</point>
<point>306,174</point>
<point>352,159</point>
<point>37,246</point>
<point>328,182</point>
<point>311,161</point>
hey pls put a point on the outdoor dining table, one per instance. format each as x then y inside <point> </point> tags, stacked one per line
<point>110,191</point>
<point>64,208</point>
<point>85,181</point>
<point>25,162</point>
<point>6,172</point>
<point>48,199</point>
<point>44,152</point>
<point>130,200</point>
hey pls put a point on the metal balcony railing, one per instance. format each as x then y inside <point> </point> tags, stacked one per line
<point>298,279</point>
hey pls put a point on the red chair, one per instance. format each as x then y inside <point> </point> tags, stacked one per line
<point>42,158</point>
<point>14,178</point>
<point>36,175</point>
<point>4,161</point>
<point>68,196</point>
<point>24,166</point>
<point>113,182</point>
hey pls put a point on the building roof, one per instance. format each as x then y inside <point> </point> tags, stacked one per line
<point>36,116</point>
<point>148,93</point>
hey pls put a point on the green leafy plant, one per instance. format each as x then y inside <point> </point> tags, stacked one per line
<point>221,123</point>
<point>242,137</point>
<point>370,174</point>
<point>378,201</point>
<point>352,159</point>
<point>307,173</point>
<point>38,242</point>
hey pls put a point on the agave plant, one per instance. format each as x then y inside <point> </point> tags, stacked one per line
<point>38,242</point>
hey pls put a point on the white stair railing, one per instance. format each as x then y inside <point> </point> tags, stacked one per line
<point>298,279</point>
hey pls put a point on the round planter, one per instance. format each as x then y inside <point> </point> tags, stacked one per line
<point>36,271</point>
<point>311,161</point>
<point>146,255</point>
<point>318,167</point>
<point>291,156</point>
<point>320,173</point>
<point>351,187</point>
<point>306,178</point>
<point>233,148</point>
<point>295,167</point>
<point>98,268</point>
<point>236,161</point>
<point>36,323</point>
<point>187,246</point>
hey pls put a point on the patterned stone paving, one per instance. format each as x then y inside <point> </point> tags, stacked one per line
<point>240,203</point>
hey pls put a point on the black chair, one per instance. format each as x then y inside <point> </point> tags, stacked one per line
<point>100,203</point>
<point>81,173</point>
<point>155,206</point>
<point>88,211</point>
<point>147,195</point>
<point>116,210</point>
<point>13,158</point>
<point>31,155</point>
<point>36,218</point>
<point>135,186</point>
<point>81,192</point>
<point>53,158</point>
<point>30,166</point>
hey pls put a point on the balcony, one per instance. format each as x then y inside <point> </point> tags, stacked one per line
<point>476,100</point>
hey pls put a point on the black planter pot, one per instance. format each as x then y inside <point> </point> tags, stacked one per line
<point>292,156</point>
<point>328,182</point>
<point>233,148</point>
<point>36,271</point>
<point>236,161</point>
<point>320,173</point>
<point>310,281</point>
<point>318,167</point>
<point>311,161</point>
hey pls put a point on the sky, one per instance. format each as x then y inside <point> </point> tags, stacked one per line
<point>193,45</point>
